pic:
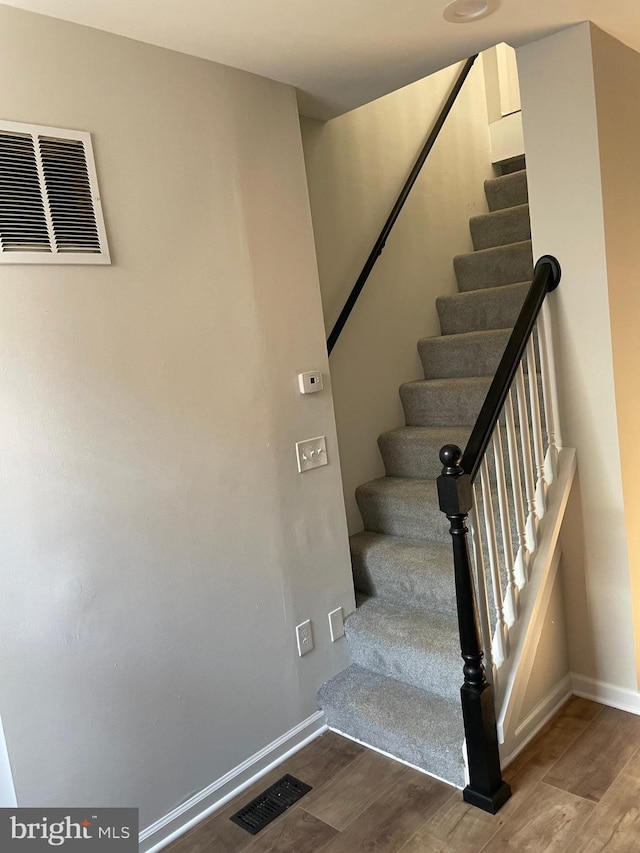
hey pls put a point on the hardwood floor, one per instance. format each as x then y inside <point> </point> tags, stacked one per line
<point>576,789</point>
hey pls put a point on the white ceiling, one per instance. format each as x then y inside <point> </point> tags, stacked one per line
<point>338,53</point>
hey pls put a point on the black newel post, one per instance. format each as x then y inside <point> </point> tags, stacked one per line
<point>486,788</point>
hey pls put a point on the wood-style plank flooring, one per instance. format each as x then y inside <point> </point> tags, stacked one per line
<point>576,789</point>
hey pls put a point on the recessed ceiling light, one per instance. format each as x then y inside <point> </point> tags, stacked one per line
<point>466,11</point>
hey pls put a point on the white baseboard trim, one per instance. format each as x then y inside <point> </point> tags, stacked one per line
<point>214,796</point>
<point>7,788</point>
<point>537,718</point>
<point>607,694</point>
<point>545,709</point>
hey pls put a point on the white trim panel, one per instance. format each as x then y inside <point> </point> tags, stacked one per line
<point>506,138</point>
<point>206,802</point>
<point>546,708</point>
<point>514,676</point>
<point>508,79</point>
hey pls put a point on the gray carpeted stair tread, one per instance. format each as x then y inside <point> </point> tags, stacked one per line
<point>402,571</point>
<point>444,402</point>
<point>419,647</point>
<point>414,451</point>
<point>507,190</point>
<point>402,507</point>
<point>494,267</point>
<point>467,354</point>
<point>511,225</point>
<point>477,310</point>
<point>415,725</point>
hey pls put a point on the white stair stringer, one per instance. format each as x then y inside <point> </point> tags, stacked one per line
<point>524,635</point>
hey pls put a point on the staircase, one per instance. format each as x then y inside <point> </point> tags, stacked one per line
<point>402,692</point>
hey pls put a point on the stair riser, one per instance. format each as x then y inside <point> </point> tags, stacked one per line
<point>488,309</point>
<point>515,164</point>
<point>422,730</point>
<point>494,267</point>
<point>507,191</point>
<point>417,456</point>
<point>500,228</point>
<point>439,673</point>
<point>409,575</point>
<point>432,404</point>
<point>443,358</point>
<point>411,460</point>
<point>402,517</point>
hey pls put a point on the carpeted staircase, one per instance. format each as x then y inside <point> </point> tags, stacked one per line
<point>402,692</point>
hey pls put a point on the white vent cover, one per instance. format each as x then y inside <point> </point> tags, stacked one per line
<point>50,209</point>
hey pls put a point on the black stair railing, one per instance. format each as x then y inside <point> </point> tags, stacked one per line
<point>486,788</point>
<point>397,207</point>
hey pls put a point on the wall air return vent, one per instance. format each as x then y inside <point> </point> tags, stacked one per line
<point>50,209</point>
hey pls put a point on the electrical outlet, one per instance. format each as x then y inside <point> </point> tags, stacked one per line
<point>311,453</point>
<point>304,637</point>
<point>336,624</point>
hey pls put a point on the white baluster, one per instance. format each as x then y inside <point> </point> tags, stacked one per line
<point>500,646</point>
<point>536,431</point>
<point>521,564</point>
<point>482,596</point>
<point>527,463</point>
<point>511,592</point>
<point>549,393</point>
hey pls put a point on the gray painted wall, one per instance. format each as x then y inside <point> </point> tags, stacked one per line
<point>356,165</point>
<point>158,545</point>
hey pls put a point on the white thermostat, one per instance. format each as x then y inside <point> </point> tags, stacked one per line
<point>310,382</point>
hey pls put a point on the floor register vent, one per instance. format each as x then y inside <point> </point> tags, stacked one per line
<point>270,804</point>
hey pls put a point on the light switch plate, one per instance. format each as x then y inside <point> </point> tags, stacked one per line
<point>311,453</point>
<point>336,624</point>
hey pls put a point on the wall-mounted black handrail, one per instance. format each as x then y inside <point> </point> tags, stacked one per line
<point>486,788</point>
<point>397,207</point>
